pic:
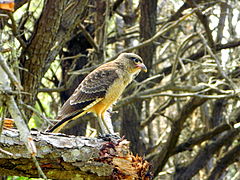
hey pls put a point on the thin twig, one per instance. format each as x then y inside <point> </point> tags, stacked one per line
<point>159,109</point>
<point>72,57</point>
<point>151,78</point>
<point>143,44</point>
<point>37,113</point>
<point>219,66</point>
<point>204,20</point>
<point>3,113</point>
<point>89,37</point>
<point>23,129</point>
<point>10,74</point>
<point>177,58</point>
<point>84,71</point>
<point>50,90</point>
<point>17,116</point>
<point>188,95</point>
<point>156,36</point>
<point>6,152</point>
<point>11,92</point>
<point>221,23</point>
<point>14,30</point>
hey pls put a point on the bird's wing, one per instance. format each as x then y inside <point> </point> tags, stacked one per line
<point>91,90</point>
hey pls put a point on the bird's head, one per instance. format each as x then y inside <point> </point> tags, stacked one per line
<point>133,62</point>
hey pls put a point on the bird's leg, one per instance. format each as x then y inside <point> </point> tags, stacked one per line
<point>105,124</point>
<point>102,125</point>
<point>107,121</point>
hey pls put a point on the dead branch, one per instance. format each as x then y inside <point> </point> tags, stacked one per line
<point>204,20</point>
<point>187,172</point>
<point>65,157</point>
<point>176,129</point>
<point>229,158</point>
<point>206,136</point>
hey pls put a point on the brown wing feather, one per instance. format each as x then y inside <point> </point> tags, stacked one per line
<point>93,87</point>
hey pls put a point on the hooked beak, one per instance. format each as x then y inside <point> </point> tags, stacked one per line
<point>142,67</point>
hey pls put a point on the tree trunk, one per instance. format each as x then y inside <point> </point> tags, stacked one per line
<point>55,25</point>
<point>133,117</point>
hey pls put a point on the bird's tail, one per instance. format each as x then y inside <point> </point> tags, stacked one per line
<point>63,122</point>
<point>57,127</point>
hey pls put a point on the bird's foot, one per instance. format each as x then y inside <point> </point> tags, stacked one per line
<point>110,136</point>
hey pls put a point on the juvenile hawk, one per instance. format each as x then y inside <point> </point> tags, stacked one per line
<point>100,89</point>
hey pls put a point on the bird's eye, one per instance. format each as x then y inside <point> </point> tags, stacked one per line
<point>136,60</point>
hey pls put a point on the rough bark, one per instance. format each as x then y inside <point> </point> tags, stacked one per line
<point>52,30</point>
<point>69,157</point>
<point>100,24</point>
<point>147,30</point>
<point>61,157</point>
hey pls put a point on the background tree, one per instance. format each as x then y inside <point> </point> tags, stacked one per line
<point>183,115</point>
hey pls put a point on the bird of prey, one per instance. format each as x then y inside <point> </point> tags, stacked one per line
<point>99,90</point>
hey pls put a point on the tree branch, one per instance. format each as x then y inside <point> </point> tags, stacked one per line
<point>218,62</point>
<point>89,37</point>
<point>176,129</point>
<point>229,158</point>
<point>10,74</point>
<point>206,136</point>
<point>187,172</point>
<point>204,20</point>
<point>219,47</point>
<point>15,30</point>
<point>66,157</point>
<point>14,111</point>
<point>155,37</point>
<point>156,112</point>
